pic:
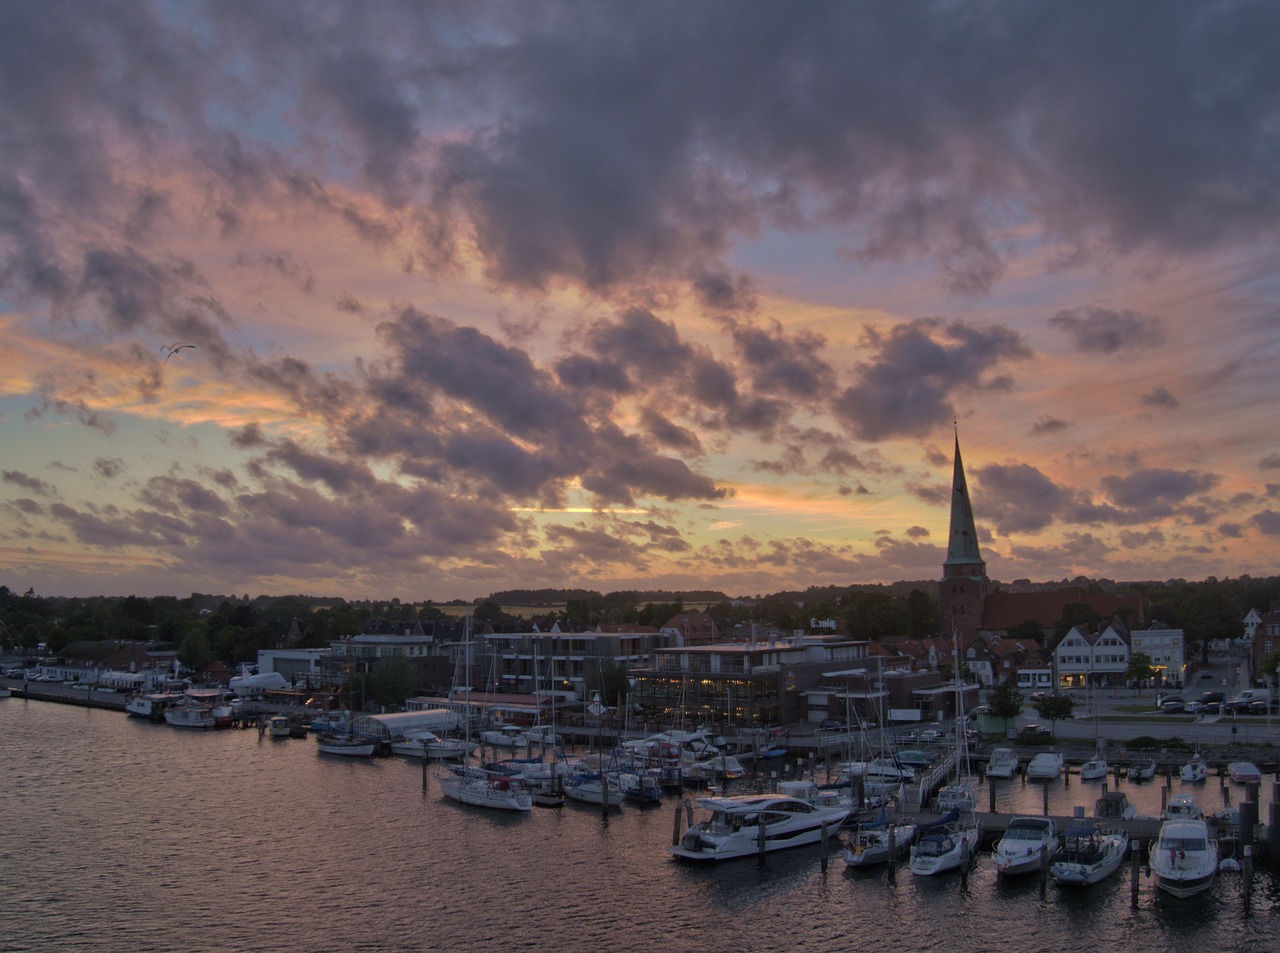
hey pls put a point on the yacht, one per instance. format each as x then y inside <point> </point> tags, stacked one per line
<point>1145,770</point>
<point>1003,763</point>
<point>1095,769</point>
<point>1182,807</point>
<point>744,825</point>
<point>1184,859</point>
<point>1026,844</point>
<point>345,744</point>
<point>505,736</point>
<point>878,843</point>
<point>427,744</point>
<point>1114,806</point>
<point>1046,766</point>
<point>1088,856</point>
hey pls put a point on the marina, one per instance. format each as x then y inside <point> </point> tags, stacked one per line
<point>290,843</point>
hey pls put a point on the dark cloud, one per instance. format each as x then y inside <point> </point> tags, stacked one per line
<point>29,483</point>
<point>906,388</point>
<point>1270,462</point>
<point>1048,425</point>
<point>1266,522</point>
<point>1018,498</point>
<point>1157,489</point>
<point>109,467</point>
<point>1160,399</point>
<point>1102,331</point>
<point>782,364</point>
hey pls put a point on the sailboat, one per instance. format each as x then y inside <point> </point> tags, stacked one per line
<point>346,743</point>
<point>958,795</point>
<point>1095,769</point>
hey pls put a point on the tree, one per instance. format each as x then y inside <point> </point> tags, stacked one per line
<point>1074,614</point>
<point>194,653</point>
<point>1006,701</point>
<point>391,680</point>
<point>1055,708</point>
<point>1027,630</point>
<point>1140,669</point>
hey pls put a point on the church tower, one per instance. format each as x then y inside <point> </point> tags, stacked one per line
<point>962,592</point>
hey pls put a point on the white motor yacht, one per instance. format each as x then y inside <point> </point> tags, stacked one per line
<point>1184,859</point>
<point>743,825</point>
<point>1046,766</point>
<point>943,845</point>
<point>1025,846</point>
<point>1003,763</point>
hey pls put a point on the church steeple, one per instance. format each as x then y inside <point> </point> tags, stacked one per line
<point>962,592</point>
<point>963,556</point>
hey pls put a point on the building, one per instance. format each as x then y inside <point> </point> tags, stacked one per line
<point>741,684</point>
<point>1085,657</point>
<point>1167,650</point>
<point>564,662</point>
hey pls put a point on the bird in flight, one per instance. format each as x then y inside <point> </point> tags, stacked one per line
<point>173,349</point>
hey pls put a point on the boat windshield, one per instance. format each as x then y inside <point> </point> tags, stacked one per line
<point>1182,843</point>
<point>1019,832</point>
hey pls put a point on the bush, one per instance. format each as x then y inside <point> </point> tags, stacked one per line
<point>1147,743</point>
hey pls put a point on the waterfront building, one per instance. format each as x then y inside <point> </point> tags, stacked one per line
<point>1085,656</point>
<point>1167,650</point>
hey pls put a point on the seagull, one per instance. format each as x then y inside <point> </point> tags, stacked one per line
<point>174,349</point>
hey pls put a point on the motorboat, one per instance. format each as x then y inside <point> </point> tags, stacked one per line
<point>1195,770</point>
<point>543,735</point>
<point>1087,856</point>
<point>640,787</point>
<point>1046,766</point>
<point>480,788</point>
<point>1184,859</point>
<point>744,825</point>
<point>1027,843</point>
<point>1182,807</point>
<point>505,736</point>
<point>1244,772</point>
<point>878,843</point>
<point>278,727</point>
<point>943,845</point>
<point>190,712</point>
<point>879,775</point>
<point>957,796</point>
<point>1114,806</point>
<point>1003,763</point>
<point>1144,770</point>
<point>150,705</point>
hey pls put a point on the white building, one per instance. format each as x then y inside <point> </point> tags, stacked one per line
<point>1166,649</point>
<point>1092,658</point>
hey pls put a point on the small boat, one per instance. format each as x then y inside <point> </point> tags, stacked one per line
<point>479,788</point>
<point>743,825</point>
<point>1095,769</point>
<point>1144,770</point>
<point>427,744</point>
<point>544,735</point>
<point>1244,772</point>
<point>1088,856</point>
<point>1182,807</point>
<point>1003,763</point>
<point>1046,766</point>
<point>505,736</point>
<point>878,843</point>
<point>278,726</point>
<point>595,787</point>
<point>1026,845</point>
<point>150,705</point>
<point>1184,859</point>
<point>943,845</point>
<point>957,796</point>
<point>1114,806</point>
<point>191,711</point>
<point>1195,770</point>
<point>640,787</point>
<point>345,745</point>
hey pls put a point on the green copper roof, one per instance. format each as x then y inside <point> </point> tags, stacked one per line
<point>962,547</point>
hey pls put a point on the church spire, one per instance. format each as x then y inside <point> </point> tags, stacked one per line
<point>963,557</point>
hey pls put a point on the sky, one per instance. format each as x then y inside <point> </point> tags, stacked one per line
<point>433,300</point>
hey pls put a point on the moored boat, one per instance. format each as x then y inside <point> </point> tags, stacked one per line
<point>1195,770</point>
<point>505,736</point>
<point>1046,766</point>
<point>1003,763</point>
<point>1088,856</point>
<point>1027,843</point>
<point>479,788</point>
<point>278,726</point>
<point>1184,860</point>
<point>1182,807</point>
<point>345,745</point>
<point>1145,770</point>
<point>743,825</point>
<point>1244,772</point>
<point>878,842</point>
<point>1114,806</point>
<point>943,845</point>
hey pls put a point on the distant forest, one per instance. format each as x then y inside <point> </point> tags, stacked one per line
<point>233,628</point>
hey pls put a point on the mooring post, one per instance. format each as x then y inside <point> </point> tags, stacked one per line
<point>824,845</point>
<point>991,789</point>
<point>893,852</point>
<point>1135,849</point>
<point>675,828</point>
<point>1046,799</point>
<point>1246,884</point>
<point>760,840</point>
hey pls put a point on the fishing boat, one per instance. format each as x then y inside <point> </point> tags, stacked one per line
<point>744,825</point>
<point>1088,856</point>
<point>1025,846</point>
<point>1184,860</point>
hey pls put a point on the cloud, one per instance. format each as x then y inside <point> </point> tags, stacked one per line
<point>1266,522</point>
<point>1157,491</point>
<point>1018,498</point>
<point>905,389</point>
<point>1160,399</point>
<point>1102,331</point>
<point>29,483</point>
<point>1048,425</point>
<point>1270,462</point>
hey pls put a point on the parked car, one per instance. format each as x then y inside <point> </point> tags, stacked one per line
<point>1193,708</point>
<point>1171,706</point>
<point>1212,708</point>
<point>1033,733</point>
<point>1207,697</point>
<point>833,724</point>
<point>929,736</point>
<point>1206,674</point>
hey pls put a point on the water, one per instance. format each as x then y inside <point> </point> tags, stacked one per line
<point>121,835</point>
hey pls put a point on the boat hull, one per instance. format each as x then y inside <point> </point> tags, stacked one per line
<point>937,854</point>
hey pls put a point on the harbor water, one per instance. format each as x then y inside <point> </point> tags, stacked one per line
<point>123,835</point>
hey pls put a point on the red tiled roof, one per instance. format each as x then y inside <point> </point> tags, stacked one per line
<point>1004,610</point>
